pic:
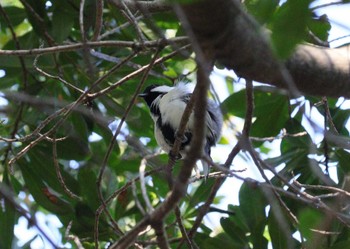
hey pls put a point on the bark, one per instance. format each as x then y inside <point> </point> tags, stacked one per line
<point>231,37</point>
<point>150,6</point>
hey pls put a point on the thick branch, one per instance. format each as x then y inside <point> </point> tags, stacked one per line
<point>150,6</point>
<point>231,37</point>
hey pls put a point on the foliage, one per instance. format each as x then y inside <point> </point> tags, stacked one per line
<point>73,134</point>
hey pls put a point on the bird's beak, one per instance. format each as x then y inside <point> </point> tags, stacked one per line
<point>142,95</point>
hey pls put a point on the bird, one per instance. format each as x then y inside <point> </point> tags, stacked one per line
<point>167,105</point>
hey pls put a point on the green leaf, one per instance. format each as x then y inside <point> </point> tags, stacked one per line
<point>280,237</point>
<point>229,84</point>
<point>87,183</point>
<point>320,27</point>
<point>122,205</point>
<point>15,14</point>
<point>8,82</point>
<point>343,158</point>
<point>271,110</point>
<point>41,192</point>
<point>120,166</point>
<point>234,232</point>
<point>46,170</point>
<point>201,193</point>
<point>340,118</point>
<point>235,104</point>
<point>12,62</point>
<point>341,245</point>
<point>167,20</point>
<point>257,237</point>
<point>309,219</point>
<point>39,166</point>
<point>289,26</point>
<point>37,7</point>
<point>61,29</point>
<point>75,144</point>
<point>221,240</point>
<point>7,217</point>
<point>253,209</point>
<point>262,10</point>
<point>294,154</point>
<point>298,143</point>
<point>239,218</point>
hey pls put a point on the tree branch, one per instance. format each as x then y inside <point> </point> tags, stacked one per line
<point>150,6</point>
<point>181,182</point>
<point>227,33</point>
<point>99,19</point>
<point>93,44</point>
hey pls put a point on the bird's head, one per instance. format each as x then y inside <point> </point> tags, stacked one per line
<point>152,92</point>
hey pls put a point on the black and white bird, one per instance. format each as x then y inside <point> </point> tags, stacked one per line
<point>167,105</point>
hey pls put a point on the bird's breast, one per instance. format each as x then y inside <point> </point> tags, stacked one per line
<point>172,112</point>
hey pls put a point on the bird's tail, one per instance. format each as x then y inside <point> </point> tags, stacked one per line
<point>205,164</point>
<point>206,168</point>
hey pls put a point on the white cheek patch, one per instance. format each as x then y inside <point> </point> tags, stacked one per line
<point>162,89</point>
<point>172,107</point>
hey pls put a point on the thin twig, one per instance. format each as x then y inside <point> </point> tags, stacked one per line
<point>272,194</point>
<point>113,140</point>
<point>143,184</point>
<point>182,227</point>
<point>181,183</point>
<point>25,82</point>
<point>117,29</point>
<point>250,108</point>
<point>54,77</point>
<point>17,45</point>
<point>93,44</point>
<point>136,199</point>
<point>247,145</point>
<point>98,20</point>
<point>40,21</point>
<point>321,187</point>
<point>115,194</point>
<point>73,237</point>
<point>329,116</point>
<point>153,242</point>
<point>339,38</point>
<point>149,6</point>
<point>282,136</point>
<point>58,172</point>
<point>129,63</point>
<point>179,138</point>
<point>127,13</point>
<point>8,195</point>
<point>86,48</point>
<point>81,21</point>
<point>135,73</point>
<point>162,240</point>
<point>307,198</point>
<point>326,5</point>
<point>64,112</point>
<point>203,210</point>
